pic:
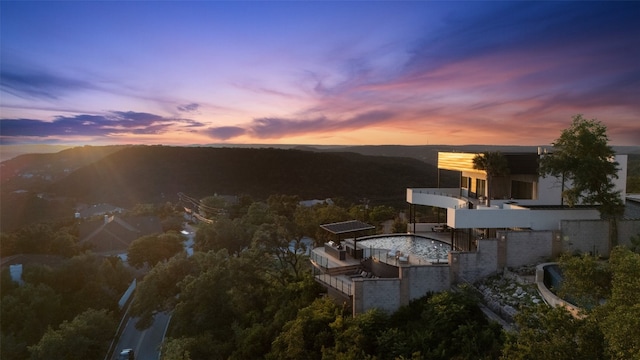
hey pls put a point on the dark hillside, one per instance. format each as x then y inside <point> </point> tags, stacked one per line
<point>142,174</point>
<point>52,166</point>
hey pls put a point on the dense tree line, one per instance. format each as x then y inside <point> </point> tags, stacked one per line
<point>247,293</point>
<point>58,308</point>
<point>143,174</point>
<point>609,324</point>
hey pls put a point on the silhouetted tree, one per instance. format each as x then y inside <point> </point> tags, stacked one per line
<point>584,160</point>
<point>552,333</point>
<point>151,249</point>
<point>494,164</point>
<point>87,336</point>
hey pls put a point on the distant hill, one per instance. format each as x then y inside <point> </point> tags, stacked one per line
<point>157,173</point>
<point>40,187</point>
<point>45,186</point>
<point>8,152</point>
<point>52,165</point>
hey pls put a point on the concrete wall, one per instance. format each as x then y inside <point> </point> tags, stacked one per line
<point>551,298</point>
<point>473,266</point>
<point>390,294</point>
<point>383,294</point>
<point>627,229</point>
<point>586,236</point>
<point>593,236</point>
<point>509,249</point>
<point>529,247</point>
<point>421,280</point>
<point>382,269</point>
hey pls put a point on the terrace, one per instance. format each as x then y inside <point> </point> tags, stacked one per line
<point>350,266</point>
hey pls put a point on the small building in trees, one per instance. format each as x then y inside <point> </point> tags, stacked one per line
<point>114,234</point>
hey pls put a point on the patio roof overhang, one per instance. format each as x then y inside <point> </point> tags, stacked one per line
<point>345,227</point>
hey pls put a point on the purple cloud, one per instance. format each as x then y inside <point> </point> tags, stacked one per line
<point>189,108</point>
<point>39,84</point>
<point>115,122</point>
<point>225,132</point>
<point>274,128</point>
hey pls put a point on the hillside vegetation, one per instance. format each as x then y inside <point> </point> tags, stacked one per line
<point>42,187</point>
<point>39,186</point>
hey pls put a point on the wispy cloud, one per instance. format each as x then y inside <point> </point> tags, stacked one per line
<point>276,128</point>
<point>109,124</point>
<point>189,108</point>
<point>225,132</point>
<point>458,72</point>
<point>39,84</point>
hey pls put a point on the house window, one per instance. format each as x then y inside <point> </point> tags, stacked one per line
<point>465,182</point>
<point>521,190</point>
<point>481,185</point>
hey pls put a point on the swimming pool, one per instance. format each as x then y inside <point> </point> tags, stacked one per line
<point>430,250</point>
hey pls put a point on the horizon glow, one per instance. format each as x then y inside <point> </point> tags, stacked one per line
<point>317,73</point>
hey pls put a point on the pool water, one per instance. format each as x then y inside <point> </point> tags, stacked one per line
<point>412,245</point>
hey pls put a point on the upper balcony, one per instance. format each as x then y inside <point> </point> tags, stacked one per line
<point>447,198</point>
<point>463,213</point>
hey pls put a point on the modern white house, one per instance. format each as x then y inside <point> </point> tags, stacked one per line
<point>522,200</point>
<point>525,223</point>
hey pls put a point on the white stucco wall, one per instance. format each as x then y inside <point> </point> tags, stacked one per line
<point>442,198</point>
<point>514,217</point>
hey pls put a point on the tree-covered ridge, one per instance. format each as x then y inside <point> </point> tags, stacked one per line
<point>156,174</point>
<point>150,173</point>
<point>55,310</point>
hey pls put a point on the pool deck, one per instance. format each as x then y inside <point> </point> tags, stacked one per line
<point>388,256</point>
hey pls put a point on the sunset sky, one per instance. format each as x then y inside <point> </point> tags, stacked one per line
<point>317,72</point>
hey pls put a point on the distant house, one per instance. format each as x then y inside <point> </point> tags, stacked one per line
<point>114,234</point>
<point>15,263</point>
<point>314,202</point>
<point>89,211</point>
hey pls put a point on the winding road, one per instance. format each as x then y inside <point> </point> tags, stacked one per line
<point>146,343</point>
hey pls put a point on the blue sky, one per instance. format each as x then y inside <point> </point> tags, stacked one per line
<point>289,72</point>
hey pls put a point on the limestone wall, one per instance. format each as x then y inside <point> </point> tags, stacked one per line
<point>528,247</point>
<point>383,294</point>
<point>423,279</point>
<point>590,236</point>
<point>390,294</point>
<point>509,249</point>
<point>627,229</point>
<point>473,266</point>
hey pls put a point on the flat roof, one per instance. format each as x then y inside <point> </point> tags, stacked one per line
<point>347,227</point>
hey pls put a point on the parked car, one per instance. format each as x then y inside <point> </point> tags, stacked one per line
<point>126,354</point>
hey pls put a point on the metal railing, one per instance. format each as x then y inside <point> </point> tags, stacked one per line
<point>319,259</point>
<point>336,283</point>
<point>391,259</point>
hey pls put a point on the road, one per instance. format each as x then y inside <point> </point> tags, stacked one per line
<point>145,343</point>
